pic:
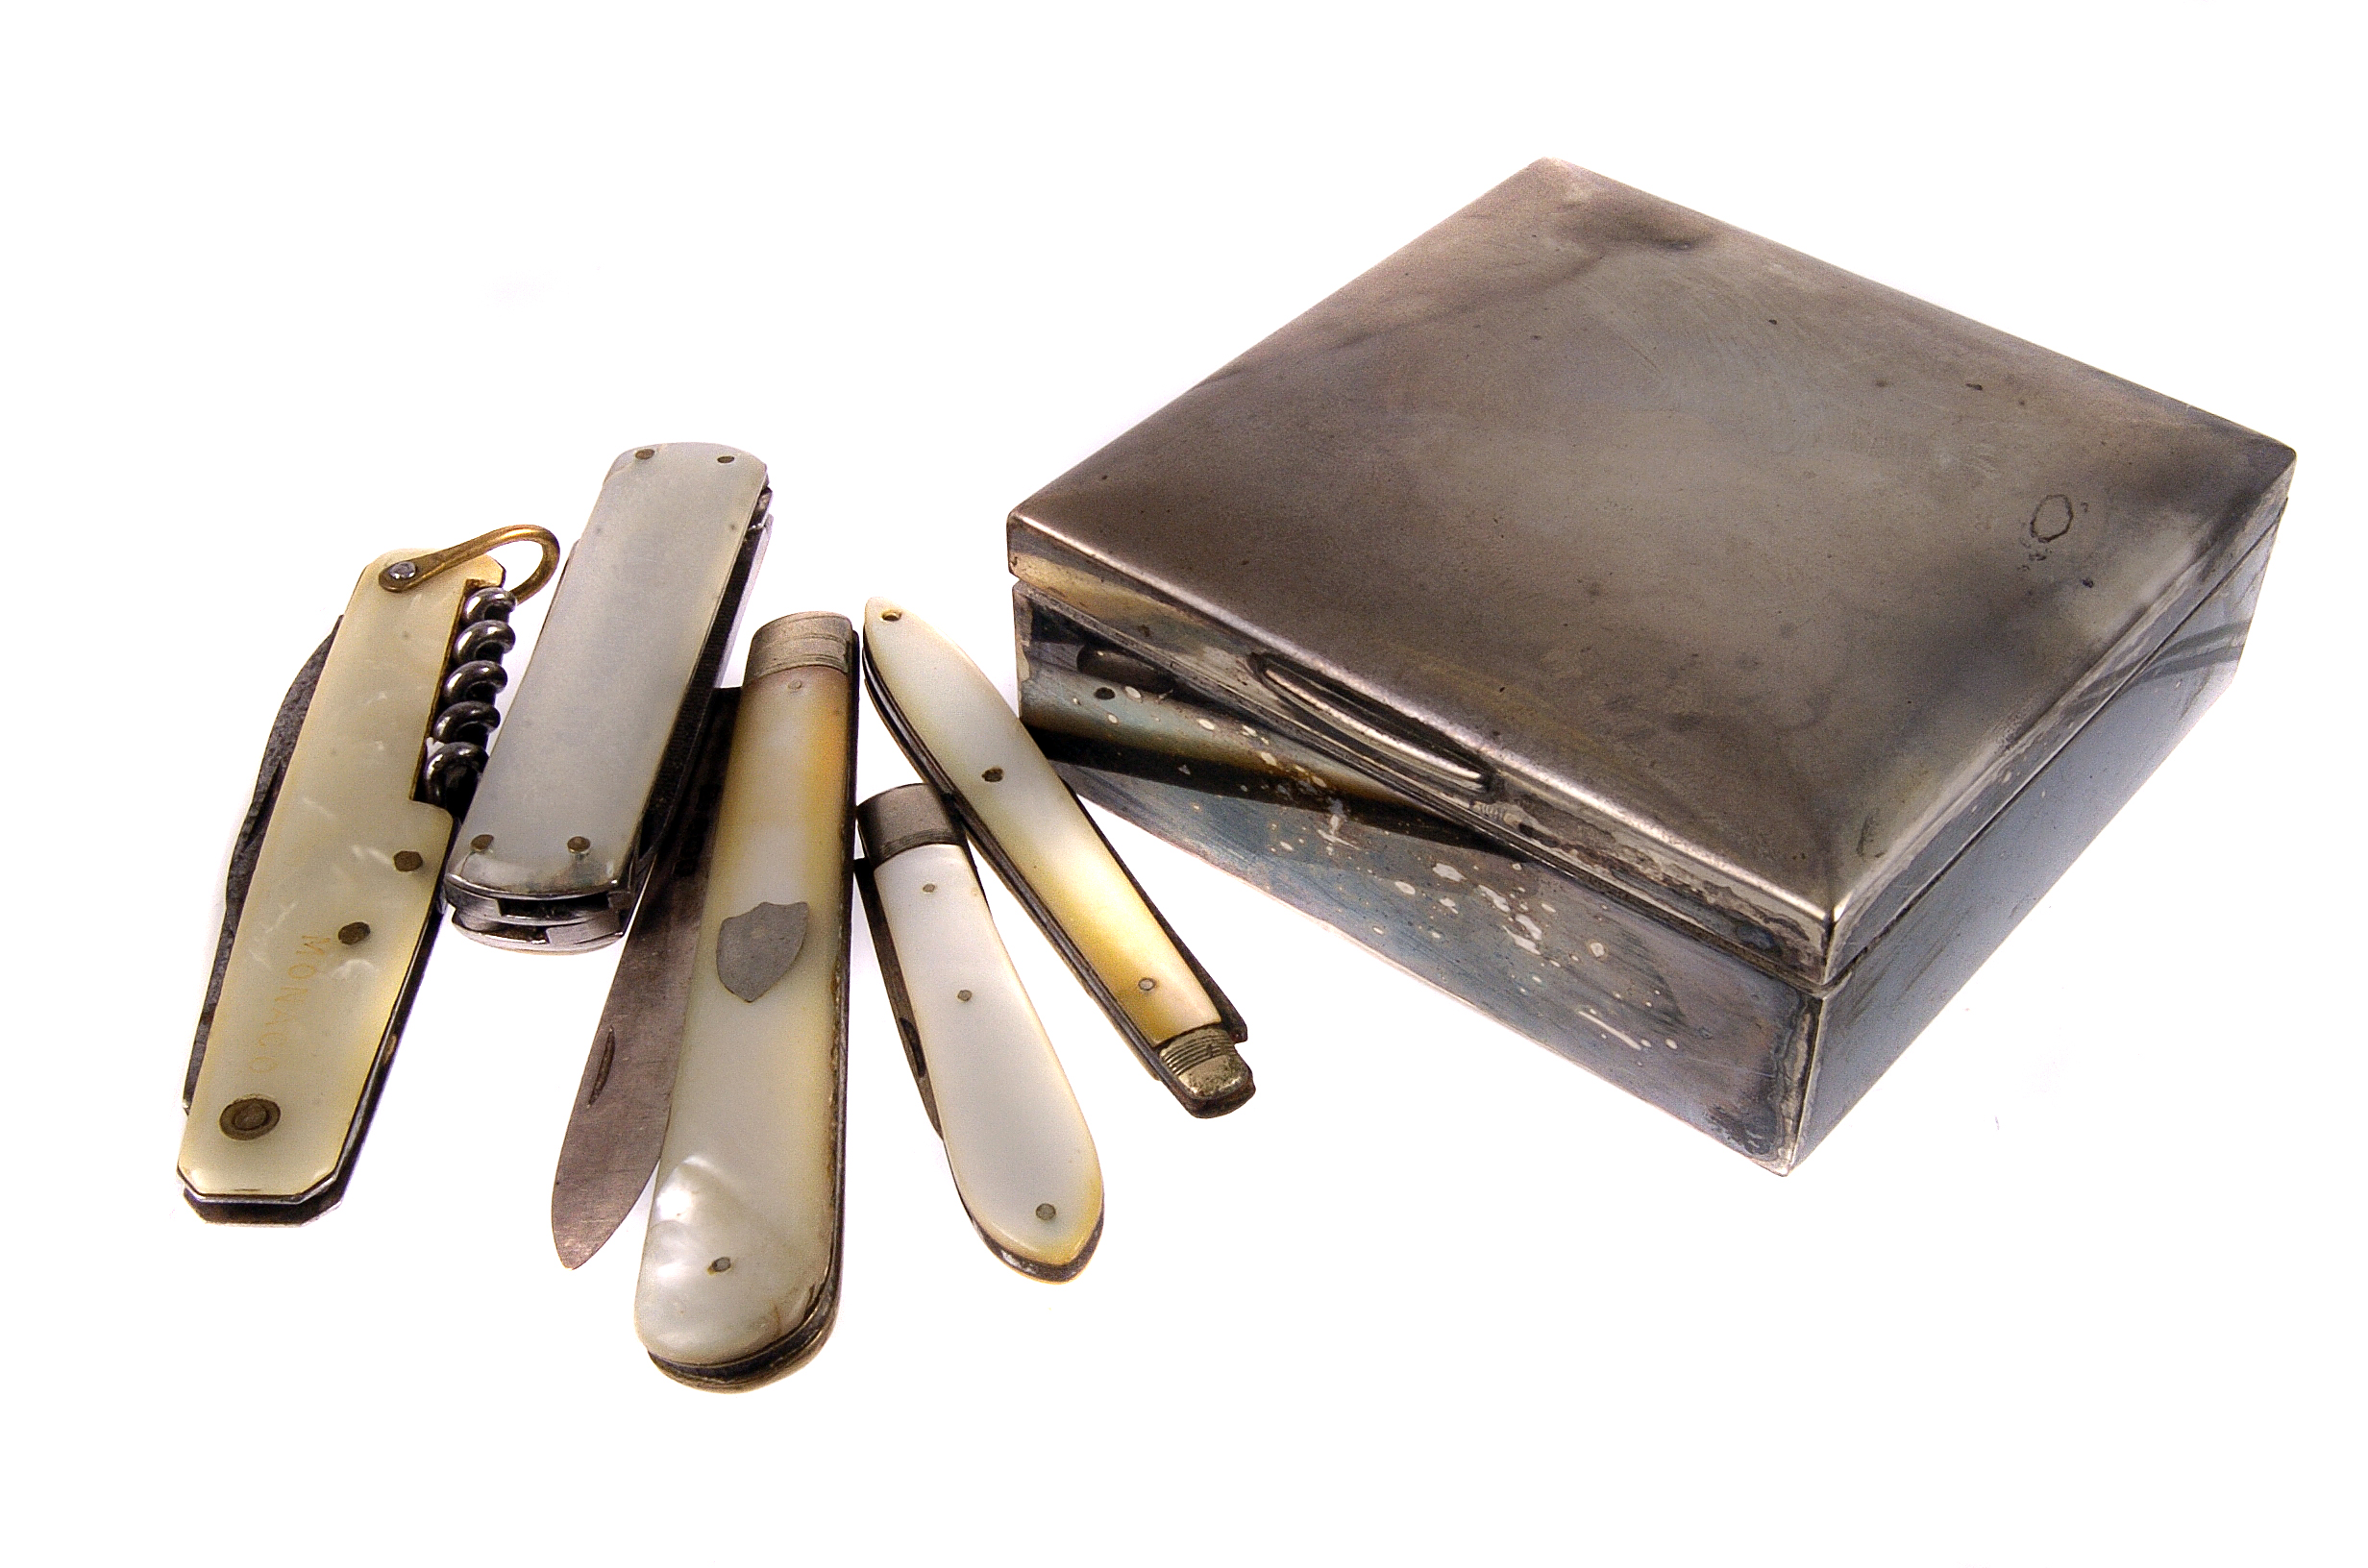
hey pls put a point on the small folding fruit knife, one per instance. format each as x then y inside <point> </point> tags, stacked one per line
<point>1021,1157</point>
<point>964,740</point>
<point>601,732</point>
<point>719,1058</point>
<point>331,903</point>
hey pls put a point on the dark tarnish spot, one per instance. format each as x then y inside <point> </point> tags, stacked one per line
<point>1617,216</point>
<point>754,948</point>
<point>2052,519</point>
<point>1756,1132</point>
<point>608,1059</point>
<point>1871,842</point>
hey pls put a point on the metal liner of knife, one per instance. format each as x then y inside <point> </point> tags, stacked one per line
<point>601,732</point>
<point>1021,1157</point>
<point>964,740</point>
<point>331,905</point>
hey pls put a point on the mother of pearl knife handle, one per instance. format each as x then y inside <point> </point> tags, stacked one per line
<point>740,1272</point>
<point>330,904</point>
<point>1016,1144</point>
<point>606,722</point>
<point>962,736</point>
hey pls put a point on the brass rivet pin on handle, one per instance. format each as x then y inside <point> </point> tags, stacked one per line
<point>250,1119</point>
<point>993,776</point>
<point>401,576</point>
<point>357,932</point>
<point>1046,1210</point>
<point>722,1265</point>
<point>482,842</point>
<point>407,860</point>
<point>1146,983</point>
<point>578,845</point>
<point>961,996</point>
<point>645,451</point>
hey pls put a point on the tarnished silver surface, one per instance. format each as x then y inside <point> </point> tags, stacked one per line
<point>814,637</point>
<point>584,775</point>
<point>895,820</point>
<point>757,946</point>
<point>619,1121</point>
<point>1766,1064</point>
<point>1546,954</point>
<point>1677,560</point>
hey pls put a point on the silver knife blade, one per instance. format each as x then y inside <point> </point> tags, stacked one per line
<point>619,1121</point>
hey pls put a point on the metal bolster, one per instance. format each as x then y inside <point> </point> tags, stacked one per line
<point>904,818</point>
<point>816,638</point>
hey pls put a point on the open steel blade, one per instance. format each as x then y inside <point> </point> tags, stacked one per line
<point>619,1122</point>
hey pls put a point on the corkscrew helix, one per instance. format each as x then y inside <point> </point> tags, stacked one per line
<point>454,753</point>
<point>465,715</point>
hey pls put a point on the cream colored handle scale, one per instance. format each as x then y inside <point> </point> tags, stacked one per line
<point>740,1272</point>
<point>1021,1157</point>
<point>336,919</point>
<point>966,738</point>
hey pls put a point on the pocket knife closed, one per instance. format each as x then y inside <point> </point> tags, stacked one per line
<point>1021,1157</point>
<point>330,904</point>
<point>602,731</point>
<point>964,739</point>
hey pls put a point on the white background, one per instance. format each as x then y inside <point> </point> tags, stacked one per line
<point>284,288</point>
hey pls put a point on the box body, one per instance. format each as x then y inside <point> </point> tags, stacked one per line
<point>1747,645</point>
<point>1764,1064</point>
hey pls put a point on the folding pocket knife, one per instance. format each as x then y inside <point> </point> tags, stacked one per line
<point>720,1060</point>
<point>330,904</point>
<point>964,739</point>
<point>602,731</point>
<point>1021,1157</point>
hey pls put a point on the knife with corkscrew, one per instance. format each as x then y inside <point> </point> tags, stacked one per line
<point>331,905</point>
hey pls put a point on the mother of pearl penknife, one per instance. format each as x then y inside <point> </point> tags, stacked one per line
<point>606,718</point>
<point>740,1272</point>
<point>331,903</point>
<point>963,737</point>
<point>1015,1139</point>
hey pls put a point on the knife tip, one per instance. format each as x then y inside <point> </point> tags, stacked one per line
<point>575,1244</point>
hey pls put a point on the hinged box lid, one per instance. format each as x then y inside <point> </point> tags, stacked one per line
<point>1675,557</point>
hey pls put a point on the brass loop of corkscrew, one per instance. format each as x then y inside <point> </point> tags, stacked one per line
<point>403,575</point>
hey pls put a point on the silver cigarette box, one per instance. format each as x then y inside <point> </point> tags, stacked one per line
<point>1694,656</point>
